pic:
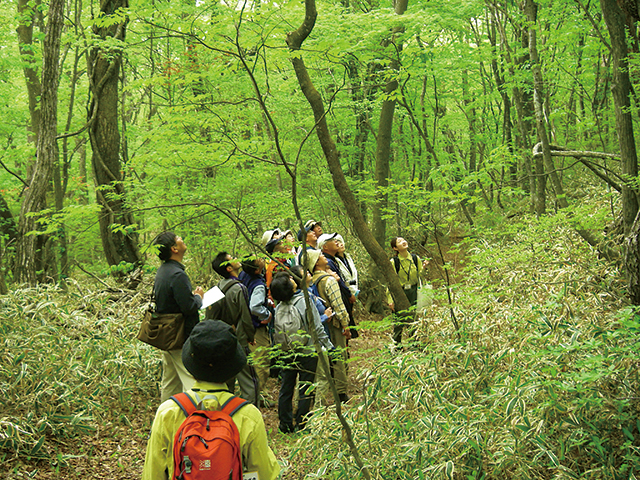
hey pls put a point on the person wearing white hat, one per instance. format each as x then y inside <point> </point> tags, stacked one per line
<point>328,244</point>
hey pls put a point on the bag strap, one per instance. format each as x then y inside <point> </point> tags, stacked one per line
<point>396,263</point>
<point>303,316</point>
<point>229,285</point>
<point>415,262</point>
<point>232,405</point>
<point>186,403</point>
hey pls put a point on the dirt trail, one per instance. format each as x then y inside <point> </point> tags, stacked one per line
<point>116,452</point>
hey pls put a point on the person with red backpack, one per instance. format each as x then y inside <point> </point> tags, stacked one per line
<point>206,432</point>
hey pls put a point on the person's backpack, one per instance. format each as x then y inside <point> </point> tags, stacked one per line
<point>314,287</point>
<point>207,444</point>
<point>288,326</point>
<point>396,262</point>
<point>220,309</point>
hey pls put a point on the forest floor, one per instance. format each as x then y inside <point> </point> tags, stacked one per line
<point>116,452</point>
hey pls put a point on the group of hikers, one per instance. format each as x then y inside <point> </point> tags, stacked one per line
<point>263,306</point>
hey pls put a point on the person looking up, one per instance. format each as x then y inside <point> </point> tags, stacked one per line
<point>329,290</point>
<point>301,361</point>
<point>261,309</point>
<point>233,309</point>
<point>172,293</point>
<point>347,266</point>
<point>328,244</point>
<point>408,267</point>
<point>309,238</point>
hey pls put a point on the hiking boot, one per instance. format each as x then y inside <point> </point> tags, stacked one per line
<point>286,428</point>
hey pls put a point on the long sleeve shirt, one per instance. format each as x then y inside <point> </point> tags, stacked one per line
<point>256,454</point>
<point>256,303</point>
<point>173,294</point>
<point>236,309</point>
<point>329,290</point>
<point>301,305</point>
<point>407,272</point>
<point>258,300</point>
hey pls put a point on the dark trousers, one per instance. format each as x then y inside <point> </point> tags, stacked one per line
<point>303,369</point>
<point>402,317</point>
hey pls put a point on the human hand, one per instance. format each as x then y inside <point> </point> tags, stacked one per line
<point>391,305</point>
<point>328,312</point>
<point>334,275</point>
<point>352,299</point>
<point>199,291</point>
<point>425,263</point>
<point>347,333</point>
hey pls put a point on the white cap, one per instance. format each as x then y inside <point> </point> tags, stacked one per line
<point>324,238</point>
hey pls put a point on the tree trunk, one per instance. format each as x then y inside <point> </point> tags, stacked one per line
<point>531,10</point>
<point>30,262</point>
<point>383,142</point>
<point>25,39</point>
<point>377,253</point>
<point>119,240</point>
<point>9,237</point>
<point>621,88</point>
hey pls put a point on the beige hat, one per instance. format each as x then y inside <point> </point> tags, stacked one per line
<point>268,235</point>
<point>312,258</point>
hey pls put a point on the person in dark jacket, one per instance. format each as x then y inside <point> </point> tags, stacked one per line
<point>172,293</point>
<point>234,310</point>
<point>261,308</point>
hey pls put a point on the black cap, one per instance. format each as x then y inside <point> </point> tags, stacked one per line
<point>212,352</point>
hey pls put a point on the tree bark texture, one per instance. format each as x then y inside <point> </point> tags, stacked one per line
<point>28,16</point>
<point>377,253</point>
<point>538,98</point>
<point>119,241</point>
<point>383,141</point>
<point>30,252</point>
<point>621,89</point>
<point>632,261</point>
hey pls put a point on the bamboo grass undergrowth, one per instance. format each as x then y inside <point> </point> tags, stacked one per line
<point>541,382</point>
<point>69,365</point>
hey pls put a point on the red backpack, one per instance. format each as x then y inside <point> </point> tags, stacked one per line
<point>207,444</point>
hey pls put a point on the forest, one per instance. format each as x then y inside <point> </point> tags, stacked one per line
<point>497,137</point>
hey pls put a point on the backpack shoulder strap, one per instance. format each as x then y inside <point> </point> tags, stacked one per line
<point>301,311</point>
<point>415,261</point>
<point>186,403</point>
<point>396,263</point>
<point>229,285</point>
<point>321,278</point>
<point>232,405</point>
